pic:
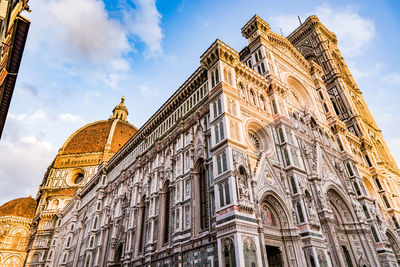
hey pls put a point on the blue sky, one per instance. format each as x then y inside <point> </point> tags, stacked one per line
<point>82,56</point>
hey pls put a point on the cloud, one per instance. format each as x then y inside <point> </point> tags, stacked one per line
<point>392,78</point>
<point>144,21</point>
<point>369,72</point>
<point>353,31</point>
<point>147,91</point>
<point>80,30</point>
<point>24,155</point>
<point>82,39</point>
<point>71,118</point>
<point>25,152</point>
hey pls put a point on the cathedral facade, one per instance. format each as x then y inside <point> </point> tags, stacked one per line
<point>264,157</point>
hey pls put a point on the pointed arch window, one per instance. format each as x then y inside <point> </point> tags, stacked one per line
<point>229,259</point>
<point>249,253</point>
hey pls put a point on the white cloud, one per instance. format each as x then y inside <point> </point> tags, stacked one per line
<point>392,78</point>
<point>354,32</point>
<point>24,155</point>
<point>144,21</point>
<point>147,91</point>
<point>83,40</point>
<point>81,30</point>
<point>71,118</point>
<point>368,72</point>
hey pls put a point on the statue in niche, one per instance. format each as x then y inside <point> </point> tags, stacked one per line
<point>310,206</point>
<point>242,181</point>
<point>357,209</point>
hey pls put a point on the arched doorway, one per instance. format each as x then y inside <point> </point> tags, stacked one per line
<point>394,245</point>
<point>342,218</point>
<point>276,225</point>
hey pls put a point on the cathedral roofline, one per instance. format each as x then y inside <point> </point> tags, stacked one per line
<point>306,27</point>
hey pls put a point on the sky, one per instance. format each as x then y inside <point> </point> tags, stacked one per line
<point>82,56</point>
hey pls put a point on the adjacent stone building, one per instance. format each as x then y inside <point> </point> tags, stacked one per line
<point>15,222</point>
<point>13,34</point>
<point>264,157</point>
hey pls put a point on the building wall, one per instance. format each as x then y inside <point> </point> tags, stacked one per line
<point>247,164</point>
<point>14,234</point>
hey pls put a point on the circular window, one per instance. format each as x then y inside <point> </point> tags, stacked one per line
<point>255,139</point>
<point>78,178</point>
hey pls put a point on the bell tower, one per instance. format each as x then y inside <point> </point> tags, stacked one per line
<point>316,43</point>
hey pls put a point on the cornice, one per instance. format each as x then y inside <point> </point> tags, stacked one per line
<point>183,92</point>
<point>219,51</point>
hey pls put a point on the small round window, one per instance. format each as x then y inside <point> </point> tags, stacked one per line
<point>78,178</point>
<point>255,139</point>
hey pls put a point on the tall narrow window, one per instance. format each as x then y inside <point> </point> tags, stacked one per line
<point>366,212</point>
<point>349,169</point>
<point>262,68</point>
<point>293,183</point>
<point>374,233</point>
<point>281,136</point>
<point>378,183</point>
<point>221,195</point>
<point>386,201</point>
<point>300,212</point>
<point>253,259</point>
<point>368,161</point>
<point>142,226</point>
<point>95,223</point>
<point>286,156</point>
<point>274,109</point>
<point>221,131</point>
<point>227,195</point>
<point>357,188</point>
<point>229,255</point>
<point>167,197</point>
<point>203,198</point>
<point>224,163</point>
<point>216,132</point>
<point>341,148</point>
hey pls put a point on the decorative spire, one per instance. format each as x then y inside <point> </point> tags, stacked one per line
<point>120,111</point>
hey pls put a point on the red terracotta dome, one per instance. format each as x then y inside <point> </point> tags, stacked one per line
<point>106,135</point>
<point>21,207</point>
